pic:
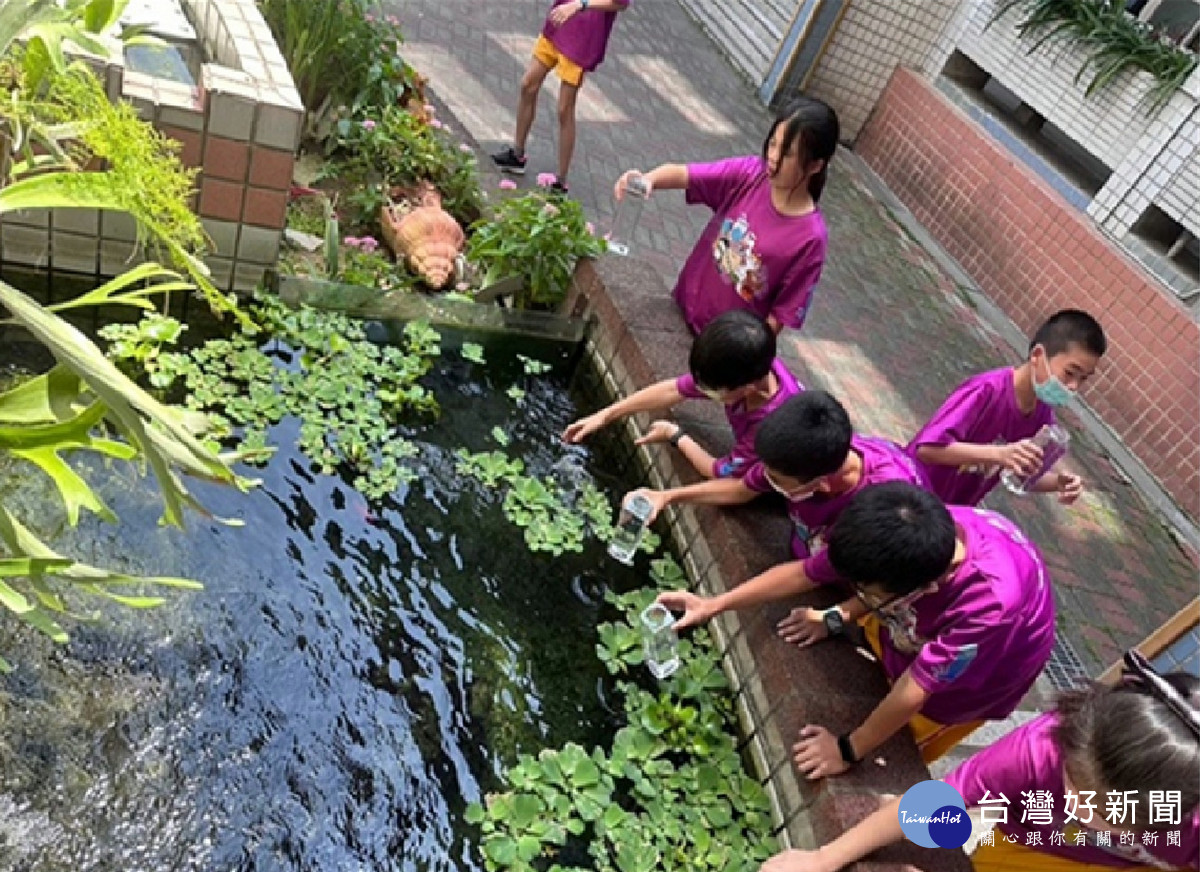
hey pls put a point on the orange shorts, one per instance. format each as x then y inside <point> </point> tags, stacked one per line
<point>932,738</point>
<point>552,59</point>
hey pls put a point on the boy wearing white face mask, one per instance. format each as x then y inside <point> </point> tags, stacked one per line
<point>809,454</point>
<point>985,426</point>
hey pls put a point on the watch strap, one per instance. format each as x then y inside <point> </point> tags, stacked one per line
<point>847,749</point>
<point>674,440</point>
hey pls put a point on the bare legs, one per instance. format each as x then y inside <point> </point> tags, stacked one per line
<point>567,95</point>
<point>531,84</point>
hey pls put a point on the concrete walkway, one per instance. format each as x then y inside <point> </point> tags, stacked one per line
<point>891,333</point>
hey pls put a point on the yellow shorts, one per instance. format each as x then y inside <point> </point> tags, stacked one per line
<point>932,738</point>
<point>1004,856</point>
<point>551,58</point>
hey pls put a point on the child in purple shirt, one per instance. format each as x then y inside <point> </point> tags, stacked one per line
<point>1140,740</point>
<point>732,362</point>
<point>986,424</point>
<point>808,453</point>
<point>961,615</point>
<point>573,42</point>
<point>765,246</point>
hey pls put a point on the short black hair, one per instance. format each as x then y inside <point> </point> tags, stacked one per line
<point>1126,739</point>
<point>1070,327</point>
<point>895,535</point>
<point>736,349</point>
<point>807,437</point>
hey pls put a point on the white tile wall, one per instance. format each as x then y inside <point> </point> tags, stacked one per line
<point>1108,124</point>
<point>872,39</point>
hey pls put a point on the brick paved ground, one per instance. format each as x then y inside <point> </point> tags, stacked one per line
<point>890,333</point>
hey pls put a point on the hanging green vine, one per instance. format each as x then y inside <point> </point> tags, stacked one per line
<point>1114,41</point>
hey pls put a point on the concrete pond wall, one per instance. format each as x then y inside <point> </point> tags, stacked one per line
<point>637,337</point>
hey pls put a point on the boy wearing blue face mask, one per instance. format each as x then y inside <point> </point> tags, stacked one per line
<point>986,425</point>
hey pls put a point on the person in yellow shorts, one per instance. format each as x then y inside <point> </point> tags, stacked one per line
<point>1108,780</point>
<point>964,608</point>
<point>573,42</point>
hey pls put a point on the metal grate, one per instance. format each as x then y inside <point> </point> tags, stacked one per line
<point>1064,669</point>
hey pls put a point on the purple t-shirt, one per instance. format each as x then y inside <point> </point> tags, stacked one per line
<point>979,639</point>
<point>1029,759</point>
<point>584,38</point>
<point>750,256</point>
<point>981,411</point>
<point>881,461</point>
<point>744,421</point>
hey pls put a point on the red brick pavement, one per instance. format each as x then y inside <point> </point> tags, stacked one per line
<point>890,332</point>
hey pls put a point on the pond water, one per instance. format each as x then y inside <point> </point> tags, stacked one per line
<point>350,678</point>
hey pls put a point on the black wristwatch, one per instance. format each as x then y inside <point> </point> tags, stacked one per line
<point>835,624</point>
<point>674,440</point>
<point>847,749</point>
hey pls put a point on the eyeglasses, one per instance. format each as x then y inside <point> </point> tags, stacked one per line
<point>1139,671</point>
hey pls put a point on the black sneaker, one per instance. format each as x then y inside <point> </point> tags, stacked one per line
<point>558,189</point>
<point>509,161</point>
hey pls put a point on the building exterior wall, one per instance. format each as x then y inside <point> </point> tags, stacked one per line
<point>1033,253</point>
<point>240,125</point>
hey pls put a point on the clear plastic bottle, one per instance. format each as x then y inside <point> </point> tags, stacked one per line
<point>628,214</point>
<point>1053,440</point>
<point>631,524</point>
<point>659,641</point>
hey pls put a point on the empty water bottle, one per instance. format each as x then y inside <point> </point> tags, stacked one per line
<point>631,525</point>
<point>1053,440</point>
<point>659,641</point>
<point>629,213</point>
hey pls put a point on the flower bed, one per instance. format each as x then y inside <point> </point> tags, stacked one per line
<point>396,199</point>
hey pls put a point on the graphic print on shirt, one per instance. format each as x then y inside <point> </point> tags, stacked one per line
<point>737,262</point>
<point>730,466</point>
<point>948,672</point>
<point>901,620</point>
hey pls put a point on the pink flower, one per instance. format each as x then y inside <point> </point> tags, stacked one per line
<point>436,125</point>
<point>508,185</point>
<point>393,21</point>
<point>430,109</point>
<point>462,287</point>
<point>352,241</point>
<point>466,149</point>
<point>369,18</point>
<point>368,244</point>
<point>368,124</point>
<point>549,210</point>
<point>590,228</point>
<point>545,180</point>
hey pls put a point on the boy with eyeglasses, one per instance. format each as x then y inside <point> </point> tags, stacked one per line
<point>956,604</point>
<point>809,454</point>
<point>732,362</point>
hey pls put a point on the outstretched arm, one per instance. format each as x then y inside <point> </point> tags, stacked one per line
<point>660,395</point>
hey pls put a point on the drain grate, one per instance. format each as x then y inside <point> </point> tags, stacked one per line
<point>1064,669</point>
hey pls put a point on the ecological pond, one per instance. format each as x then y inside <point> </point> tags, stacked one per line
<point>413,654</point>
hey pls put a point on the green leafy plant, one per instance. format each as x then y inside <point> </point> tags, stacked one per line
<point>1115,42</point>
<point>538,238</point>
<point>473,352</point>
<point>533,366</point>
<point>489,468</point>
<point>341,52</point>
<point>670,794</point>
<point>54,122</point>
<point>397,148</point>
<point>349,394</point>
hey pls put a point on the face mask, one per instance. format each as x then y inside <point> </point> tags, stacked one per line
<point>1052,392</point>
<point>790,496</point>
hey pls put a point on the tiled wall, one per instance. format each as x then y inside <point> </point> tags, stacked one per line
<point>873,38</point>
<point>241,126</point>
<point>1033,253</point>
